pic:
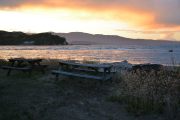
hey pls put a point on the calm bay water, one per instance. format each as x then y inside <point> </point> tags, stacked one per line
<point>101,53</point>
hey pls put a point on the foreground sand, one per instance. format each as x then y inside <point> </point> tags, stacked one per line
<point>40,97</point>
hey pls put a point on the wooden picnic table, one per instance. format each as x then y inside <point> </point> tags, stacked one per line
<point>96,67</point>
<point>20,61</point>
<point>72,69</point>
<point>25,65</point>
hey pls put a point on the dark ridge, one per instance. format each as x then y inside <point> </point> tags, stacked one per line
<point>20,38</point>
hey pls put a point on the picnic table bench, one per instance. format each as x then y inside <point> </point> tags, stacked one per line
<point>89,71</point>
<point>25,65</point>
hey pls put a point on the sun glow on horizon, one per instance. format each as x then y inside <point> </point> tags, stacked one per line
<point>124,21</point>
<point>57,21</point>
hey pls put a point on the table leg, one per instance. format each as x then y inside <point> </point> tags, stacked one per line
<point>57,77</point>
<point>9,71</point>
<point>40,67</point>
<point>36,65</point>
<point>104,74</point>
<point>107,71</point>
<point>19,63</point>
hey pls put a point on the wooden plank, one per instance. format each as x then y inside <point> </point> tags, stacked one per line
<point>80,75</point>
<point>10,68</point>
<point>39,66</point>
<point>86,65</point>
<point>16,68</point>
<point>25,60</point>
<point>87,70</point>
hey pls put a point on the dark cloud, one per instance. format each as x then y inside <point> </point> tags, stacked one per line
<point>7,3</point>
<point>14,3</point>
<point>168,12</point>
<point>165,11</point>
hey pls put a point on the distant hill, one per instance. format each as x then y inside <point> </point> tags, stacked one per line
<point>74,38</point>
<point>20,38</point>
<point>79,38</point>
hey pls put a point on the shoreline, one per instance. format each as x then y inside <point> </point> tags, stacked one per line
<point>124,64</point>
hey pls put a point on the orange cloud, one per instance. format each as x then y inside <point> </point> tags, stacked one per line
<point>147,16</point>
<point>121,13</point>
<point>162,9</point>
<point>144,19</point>
<point>129,11</point>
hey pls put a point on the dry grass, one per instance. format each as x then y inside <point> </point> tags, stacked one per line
<point>153,92</point>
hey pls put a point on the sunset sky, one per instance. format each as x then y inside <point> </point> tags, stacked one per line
<point>149,19</point>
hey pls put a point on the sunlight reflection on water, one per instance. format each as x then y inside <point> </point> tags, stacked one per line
<point>97,53</point>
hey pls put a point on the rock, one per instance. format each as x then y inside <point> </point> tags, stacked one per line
<point>124,65</point>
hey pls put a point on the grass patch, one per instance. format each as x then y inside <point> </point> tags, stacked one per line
<point>4,62</point>
<point>153,92</point>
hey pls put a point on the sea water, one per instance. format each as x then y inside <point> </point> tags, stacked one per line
<point>102,53</point>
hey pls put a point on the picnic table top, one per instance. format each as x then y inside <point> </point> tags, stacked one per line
<point>24,60</point>
<point>81,75</point>
<point>104,66</point>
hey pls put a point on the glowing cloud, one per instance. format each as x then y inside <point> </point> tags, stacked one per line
<point>94,16</point>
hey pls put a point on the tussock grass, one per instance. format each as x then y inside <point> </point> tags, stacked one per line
<point>3,62</point>
<point>152,92</point>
